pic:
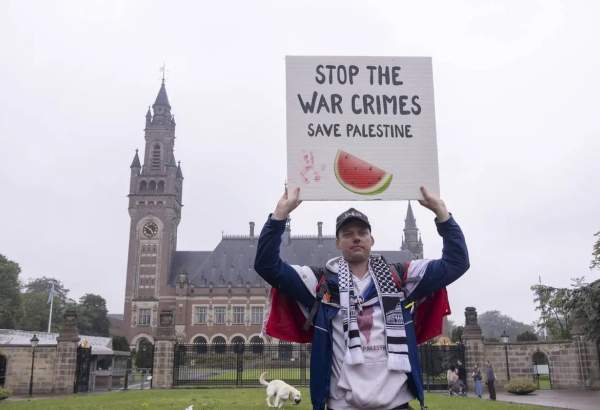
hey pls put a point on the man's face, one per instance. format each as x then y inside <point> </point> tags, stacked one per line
<point>355,241</point>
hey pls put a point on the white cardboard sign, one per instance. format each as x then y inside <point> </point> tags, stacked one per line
<point>360,128</point>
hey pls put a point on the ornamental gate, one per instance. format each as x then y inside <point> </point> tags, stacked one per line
<point>436,360</point>
<point>2,370</point>
<point>82,371</point>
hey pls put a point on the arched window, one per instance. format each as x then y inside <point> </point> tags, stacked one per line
<point>257,344</point>
<point>144,354</point>
<point>152,186</point>
<point>218,344</point>
<point>161,186</point>
<point>201,344</point>
<point>155,157</point>
<point>285,350</point>
<point>238,343</point>
<point>143,186</point>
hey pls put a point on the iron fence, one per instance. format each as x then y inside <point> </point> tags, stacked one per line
<point>436,360</point>
<point>217,365</point>
<point>240,364</point>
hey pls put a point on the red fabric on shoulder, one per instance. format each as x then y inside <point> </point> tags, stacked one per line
<point>429,317</point>
<point>286,319</point>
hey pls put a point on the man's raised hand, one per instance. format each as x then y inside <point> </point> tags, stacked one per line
<point>287,203</point>
<point>435,204</point>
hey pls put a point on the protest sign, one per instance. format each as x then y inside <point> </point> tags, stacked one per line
<point>360,128</point>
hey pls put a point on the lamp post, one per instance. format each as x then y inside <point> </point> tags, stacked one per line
<point>504,338</point>
<point>34,342</point>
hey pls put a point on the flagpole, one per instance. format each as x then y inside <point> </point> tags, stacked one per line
<point>51,306</point>
<point>50,315</point>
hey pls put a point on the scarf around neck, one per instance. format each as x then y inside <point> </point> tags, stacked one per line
<point>390,299</point>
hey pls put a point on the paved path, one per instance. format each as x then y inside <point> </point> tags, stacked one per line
<point>562,399</point>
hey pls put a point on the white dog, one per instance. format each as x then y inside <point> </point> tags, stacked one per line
<point>278,392</point>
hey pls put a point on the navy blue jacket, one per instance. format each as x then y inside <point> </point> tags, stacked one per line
<point>439,273</point>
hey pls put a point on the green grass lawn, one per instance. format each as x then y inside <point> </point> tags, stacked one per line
<point>205,399</point>
<point>544,382</point>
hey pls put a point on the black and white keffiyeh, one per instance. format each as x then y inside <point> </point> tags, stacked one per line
<point>390,300</point>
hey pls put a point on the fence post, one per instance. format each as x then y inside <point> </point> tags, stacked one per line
<point>239,365</point>
<point>303,365</point>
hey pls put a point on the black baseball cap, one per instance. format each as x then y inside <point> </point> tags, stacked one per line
<point>348,216</point>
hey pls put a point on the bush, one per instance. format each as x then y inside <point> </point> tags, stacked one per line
<point>520,386</point>
<point>4,393</point>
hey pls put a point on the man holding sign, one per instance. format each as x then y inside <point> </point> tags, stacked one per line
<point>357,310</point>
<point>360,128</point>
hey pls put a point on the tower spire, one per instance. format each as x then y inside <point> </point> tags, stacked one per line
<point>136,161</point>
<point>162,100</point>
<point>410,221</point>
<point>412,238</point>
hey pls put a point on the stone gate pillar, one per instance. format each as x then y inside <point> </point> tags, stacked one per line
<point>474,350</point>
<point>164,352</point>
<point>66,354</point>
<point>588,355</point>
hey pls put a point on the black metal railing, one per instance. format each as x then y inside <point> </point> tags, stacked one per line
<point>436,360</point>
<point>240,364</point>
<point>214,365</point>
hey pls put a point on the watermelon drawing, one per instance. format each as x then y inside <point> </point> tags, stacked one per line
<point>360,177</point>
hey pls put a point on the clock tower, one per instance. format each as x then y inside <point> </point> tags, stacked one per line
<point>155,195</point>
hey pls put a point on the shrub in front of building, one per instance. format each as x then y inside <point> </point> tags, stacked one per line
<point>520,386</point>
<point>4,393</point>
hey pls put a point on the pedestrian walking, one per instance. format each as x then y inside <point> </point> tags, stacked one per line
<point>477,383</point>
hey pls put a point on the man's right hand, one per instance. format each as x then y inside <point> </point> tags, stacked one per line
<point>287,203</point>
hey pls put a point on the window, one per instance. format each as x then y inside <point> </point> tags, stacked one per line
<point>257,315</point>
<point>218,344</point>
<point>257,344</point>
<point>200,315</point>
<point>239,316</point>
<point>155,157</point>
<point>238,343</point>
<point>220,315</point>
<point>144,316</point>
<point>201,344</point>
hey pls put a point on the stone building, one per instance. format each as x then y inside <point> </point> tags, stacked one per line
<point>216,295</point>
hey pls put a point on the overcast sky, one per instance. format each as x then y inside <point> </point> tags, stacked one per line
<point>518,129</point>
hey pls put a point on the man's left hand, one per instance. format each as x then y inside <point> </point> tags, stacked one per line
<point>435,204</point>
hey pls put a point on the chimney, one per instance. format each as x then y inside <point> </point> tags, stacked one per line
<point>320,229</point>
<point>251,229</point>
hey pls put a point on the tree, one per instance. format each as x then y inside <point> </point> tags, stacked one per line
<point>493,324</point>
<point>42,285</point>
<point>555,314</point>
<point>527,336</point>
<point>92,315</point>
<point>595,264</point>
<point>585,304</point>
<point>10,295</point>
<point>457,333</point>
<point>119,343</point>
<point>36,307</point>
